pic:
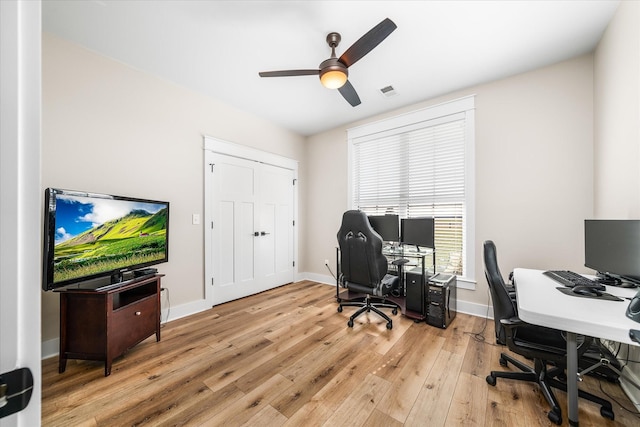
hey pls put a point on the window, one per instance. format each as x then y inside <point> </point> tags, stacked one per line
<point>421,164</point>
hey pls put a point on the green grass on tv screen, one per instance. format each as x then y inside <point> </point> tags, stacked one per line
<point>104,255</point>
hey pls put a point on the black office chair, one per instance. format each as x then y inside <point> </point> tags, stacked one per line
<point>502,303</point>
<point>363,267</point>
<point>545,346</point>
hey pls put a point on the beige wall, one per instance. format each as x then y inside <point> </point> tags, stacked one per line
<point>617,117</point>
<point>534,180</point>
<point>110,128</point>
<point>617,135</point>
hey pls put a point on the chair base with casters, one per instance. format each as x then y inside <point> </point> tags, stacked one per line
<point>367,306</point>
<point>546,378</point>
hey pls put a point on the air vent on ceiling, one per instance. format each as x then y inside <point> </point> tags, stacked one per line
<point>388,91</point>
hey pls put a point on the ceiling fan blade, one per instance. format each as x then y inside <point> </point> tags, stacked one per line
<point>349,93</point>
<point>288,73</point>
<point>366,43</point>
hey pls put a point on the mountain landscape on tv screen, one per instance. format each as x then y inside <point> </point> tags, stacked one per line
<point>138,237</point>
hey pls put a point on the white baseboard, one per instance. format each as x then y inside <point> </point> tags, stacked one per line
<point>630,390</point>
<point>630,371</point>
<point>173,313</point>
<point>51,347</point>
<point>315,277</point>
<point>474,309</point>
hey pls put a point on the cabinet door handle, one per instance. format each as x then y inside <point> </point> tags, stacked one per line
<point>138,313</point>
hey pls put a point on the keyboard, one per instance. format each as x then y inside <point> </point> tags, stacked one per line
<point>571,279</point>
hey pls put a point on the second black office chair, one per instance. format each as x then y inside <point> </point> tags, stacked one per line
<point>363,267</point>
<point>544,345</point>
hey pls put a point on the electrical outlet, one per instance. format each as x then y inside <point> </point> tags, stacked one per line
<point>326,262</point>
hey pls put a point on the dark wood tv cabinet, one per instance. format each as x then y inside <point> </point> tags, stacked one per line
<point>102,325</point>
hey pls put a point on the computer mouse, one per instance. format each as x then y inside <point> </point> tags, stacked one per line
<point>627,285</point>
<point>586,291</point>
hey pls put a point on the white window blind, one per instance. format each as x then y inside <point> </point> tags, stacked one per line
<point>416,170</point>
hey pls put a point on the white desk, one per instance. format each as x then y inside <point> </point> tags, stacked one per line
<point>540,303</point>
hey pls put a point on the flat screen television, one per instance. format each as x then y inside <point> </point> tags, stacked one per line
<point>612,248</point>
<point>387,226</point>
<point>92,239</point>
<point>418,232</point>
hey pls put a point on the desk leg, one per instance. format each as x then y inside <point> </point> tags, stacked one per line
<point>572,378</point>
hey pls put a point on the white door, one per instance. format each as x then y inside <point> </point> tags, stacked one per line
<point>275,244</point>
<point>252,227</point>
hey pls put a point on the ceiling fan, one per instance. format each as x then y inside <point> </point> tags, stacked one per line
<point>334,71</point>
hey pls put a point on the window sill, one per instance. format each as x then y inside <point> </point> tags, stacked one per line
<point>465,283</point>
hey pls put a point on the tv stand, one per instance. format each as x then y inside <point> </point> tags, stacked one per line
<point>104,324</point>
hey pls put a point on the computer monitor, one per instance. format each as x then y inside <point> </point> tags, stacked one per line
<point>418,231</point>
<point>387,226</point>
<point>612,248</point>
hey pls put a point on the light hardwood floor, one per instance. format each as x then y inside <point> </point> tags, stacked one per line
<point>287,357</point>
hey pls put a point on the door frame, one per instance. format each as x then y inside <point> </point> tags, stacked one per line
<point>214,145</point>
<point>21,198</point>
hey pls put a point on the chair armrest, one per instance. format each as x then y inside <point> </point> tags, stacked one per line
<point>512,322</point>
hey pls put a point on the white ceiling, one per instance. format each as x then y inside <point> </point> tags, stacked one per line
<point>218,47</point>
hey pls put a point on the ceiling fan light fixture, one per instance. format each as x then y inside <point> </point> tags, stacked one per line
<point>333,79</point>
<point>333,73</point>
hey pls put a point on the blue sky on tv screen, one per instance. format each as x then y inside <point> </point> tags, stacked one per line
<point>75,215</point>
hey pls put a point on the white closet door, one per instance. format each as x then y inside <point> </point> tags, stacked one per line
<point>252,230</point>
<point>276,222</point>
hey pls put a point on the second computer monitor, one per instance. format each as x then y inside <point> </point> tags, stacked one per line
<point>387,226</point>
<point>418,231</point>
<point>612,247</point>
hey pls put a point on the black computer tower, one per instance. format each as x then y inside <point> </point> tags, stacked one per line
<point>441,300</point>
<point>415,299</point>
